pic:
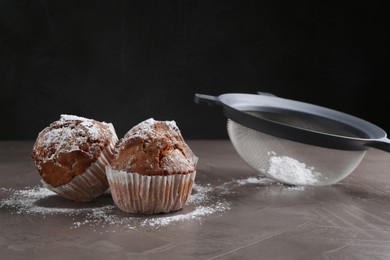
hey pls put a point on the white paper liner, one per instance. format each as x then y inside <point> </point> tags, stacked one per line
<point>142,194</point>
<point>93,182</point>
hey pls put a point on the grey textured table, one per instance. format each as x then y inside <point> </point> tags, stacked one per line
<point>233,214</point>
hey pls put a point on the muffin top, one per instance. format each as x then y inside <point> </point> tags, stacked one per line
<point>154,148</point>
<point>68,146</point>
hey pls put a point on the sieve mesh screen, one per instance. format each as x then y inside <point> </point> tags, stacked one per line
<point>292,162</point>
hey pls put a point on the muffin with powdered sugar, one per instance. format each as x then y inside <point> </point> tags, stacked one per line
<point>153,169</point>
<point>71,154</point>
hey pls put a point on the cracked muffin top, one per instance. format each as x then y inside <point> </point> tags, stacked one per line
<point>68,146</point>
<point>154,148</point>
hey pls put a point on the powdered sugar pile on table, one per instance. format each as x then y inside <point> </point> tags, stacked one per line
<point>291,171</point>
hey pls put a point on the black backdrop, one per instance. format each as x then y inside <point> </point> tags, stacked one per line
<point>126,61</point>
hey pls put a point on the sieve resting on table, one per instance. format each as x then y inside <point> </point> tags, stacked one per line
<point>294,142</point>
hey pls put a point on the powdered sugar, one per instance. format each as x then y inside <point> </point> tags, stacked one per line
<point>201,194</point>
<point>89,125</point>
<point>60,138</point>
<point>71,133</point>
<point>66,117</point>
<point>29,202</point>
<point>146,128</point>
<point>259,181</point>
<point>289,170</point>
<point>72,130</point>
<point>199,212</point>
<point>24,202</point>
<point>296,188</point>
<point>148,124</point>
<point>254,180</point>
<point>102,215</point>
<point>93,131</point>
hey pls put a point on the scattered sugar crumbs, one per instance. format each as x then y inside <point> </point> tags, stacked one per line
<point>260,181</point>
<point>205,200</point>
<point>201,203</point>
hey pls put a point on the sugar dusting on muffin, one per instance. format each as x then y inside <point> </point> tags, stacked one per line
<point>154,148</point>
<point>71,133</point>
<point>71,153</point>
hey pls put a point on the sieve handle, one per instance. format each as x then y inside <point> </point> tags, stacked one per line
<point>210,100</point>
<point>381,144</point>
<point>265,94</point>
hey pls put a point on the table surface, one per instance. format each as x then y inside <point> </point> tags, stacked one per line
<point>232,213</point>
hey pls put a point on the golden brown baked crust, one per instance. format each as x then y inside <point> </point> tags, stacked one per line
<point>154,148</point>
<point>68,146</point>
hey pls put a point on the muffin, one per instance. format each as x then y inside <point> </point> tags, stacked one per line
<point>153,169</point>
<point>71,154</point>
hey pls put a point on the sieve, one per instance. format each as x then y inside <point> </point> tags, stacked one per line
<point>294,142</point>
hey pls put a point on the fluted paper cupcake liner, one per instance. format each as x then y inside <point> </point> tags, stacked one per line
<point>141,194</point>
<point>92,183</point>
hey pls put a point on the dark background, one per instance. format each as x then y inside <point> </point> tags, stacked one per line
<point>126,61</point>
